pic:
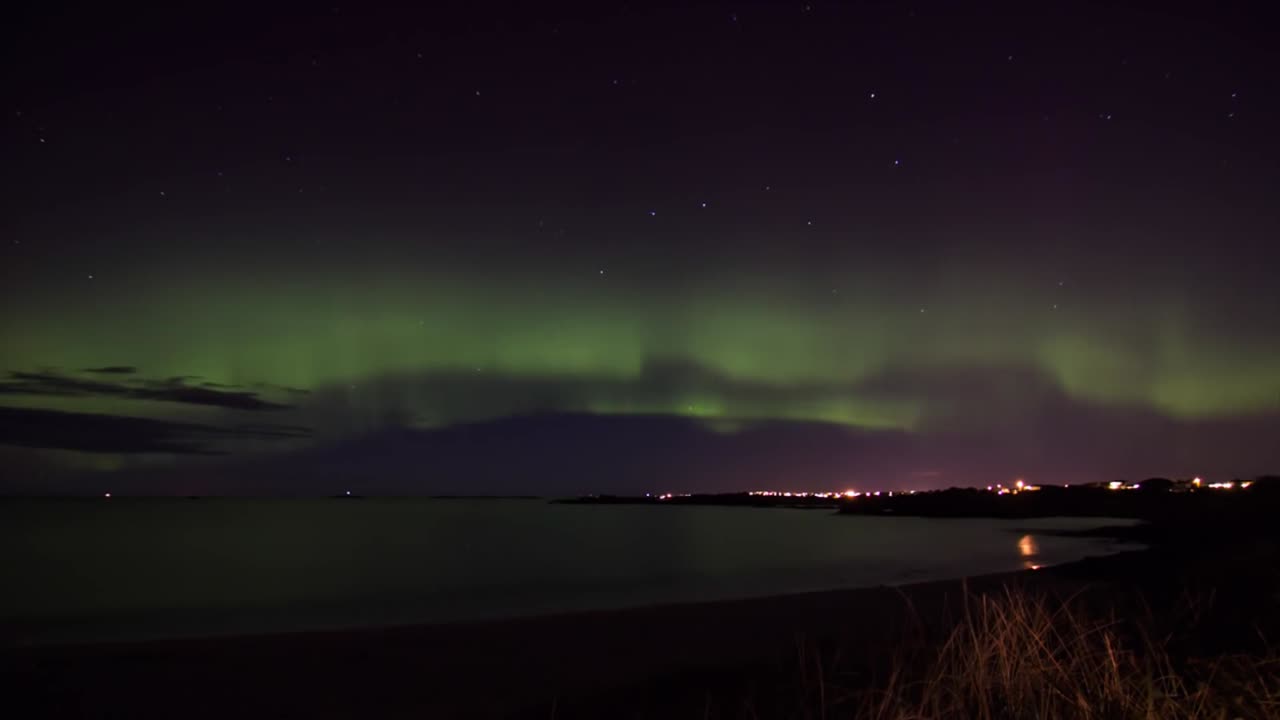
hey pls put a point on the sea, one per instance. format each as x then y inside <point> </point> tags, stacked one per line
<point>107,570</point>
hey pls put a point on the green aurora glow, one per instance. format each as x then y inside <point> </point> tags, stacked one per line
<point>804,354</point>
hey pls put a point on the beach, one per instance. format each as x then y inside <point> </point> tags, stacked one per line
<point>495,669</point>
<point>1205,591</point>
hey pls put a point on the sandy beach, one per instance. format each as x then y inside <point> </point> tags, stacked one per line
<point>492,669</point>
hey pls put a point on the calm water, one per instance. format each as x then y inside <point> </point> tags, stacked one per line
<point>128,569</point>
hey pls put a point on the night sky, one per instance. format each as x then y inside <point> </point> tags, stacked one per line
<point>638,246</point>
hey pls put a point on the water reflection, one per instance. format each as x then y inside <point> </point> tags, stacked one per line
<point>1029,550</point>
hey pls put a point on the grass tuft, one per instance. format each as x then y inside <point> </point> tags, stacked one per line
<point>1016,655</point>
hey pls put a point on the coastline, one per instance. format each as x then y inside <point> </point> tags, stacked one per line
<point>1217,573</point>
<point>495,668</point>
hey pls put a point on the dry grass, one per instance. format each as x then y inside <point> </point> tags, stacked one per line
<point>1010,655</point>
<point>1015,655</point>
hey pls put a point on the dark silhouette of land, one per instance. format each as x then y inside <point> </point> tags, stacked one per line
<point>1166,506</point>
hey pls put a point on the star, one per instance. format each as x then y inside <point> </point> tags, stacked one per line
<point>873,96</point>
<point>653,213</point>
<point>897,163</point>
<point>90,276</point>
<point>809,223</point>
<point>602,272</point>
<point>702,205</point>
<point>162,193</point>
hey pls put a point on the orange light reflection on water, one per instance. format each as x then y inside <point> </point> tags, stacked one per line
<point>1029,550</point>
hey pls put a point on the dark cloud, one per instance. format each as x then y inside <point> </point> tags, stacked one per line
<point>291,432</point>
<point>113,370</point>
<point>574,453</point>
<point>974,425</point>
<point>173,389</point>
<point>282,388</point>
<point>483,432</point>
<point>548,453</point>
<point>89,432</point>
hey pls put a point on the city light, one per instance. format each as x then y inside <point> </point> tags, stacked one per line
<point>1019,486</point>
<point>832,495</point>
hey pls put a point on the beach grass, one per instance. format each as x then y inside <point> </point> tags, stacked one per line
<point>1016,654</point>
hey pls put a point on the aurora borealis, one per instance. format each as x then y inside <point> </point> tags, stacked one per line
<point>930,272</point>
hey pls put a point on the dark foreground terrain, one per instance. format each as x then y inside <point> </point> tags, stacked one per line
<point>1185,629</point>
